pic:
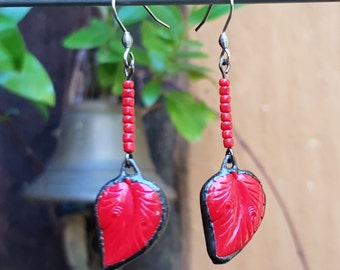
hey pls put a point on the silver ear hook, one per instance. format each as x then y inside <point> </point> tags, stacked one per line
<point>127,40</point>
<point>208,12</point>
<point>115,14</point>
<point>155,18</point>
<point>224,63</point>
<point>231,9</point>
<point>146,8</point>
<point>204,18</point>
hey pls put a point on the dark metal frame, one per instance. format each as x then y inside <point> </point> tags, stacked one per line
<point>135,177</point>
<point>22,3</point>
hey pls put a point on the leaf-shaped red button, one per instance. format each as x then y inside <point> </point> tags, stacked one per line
<point>130,215</point>
<point>232,205</point>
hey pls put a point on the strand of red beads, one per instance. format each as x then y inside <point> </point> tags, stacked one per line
<point>128,102</point>
<point>225,109</point>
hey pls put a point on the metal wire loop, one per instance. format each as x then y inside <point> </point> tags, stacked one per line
<point>127,40</point>
<point>128,159</point>
<point>128,57</point>
<point>229,161</point>
<point>129,64</point>
<point>224,63</point>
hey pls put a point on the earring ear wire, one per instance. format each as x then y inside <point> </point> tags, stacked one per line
<point>204,18</point>
<point>156,19</point>
<point>224,63</point>
<point>208,12</point>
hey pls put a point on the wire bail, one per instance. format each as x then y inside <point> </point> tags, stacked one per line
<point>224,63</point>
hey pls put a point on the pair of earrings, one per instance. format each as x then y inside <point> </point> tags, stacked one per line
<point>132,211</point>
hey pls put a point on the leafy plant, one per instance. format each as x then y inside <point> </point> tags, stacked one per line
<point>162,52</point>
<point>20,71</point>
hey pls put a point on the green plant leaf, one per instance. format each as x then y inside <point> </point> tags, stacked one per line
<point>6,61</point>
<point>14,14</point>
<point>195,44</point>
<point>6,23</point>
<point>42,108</point>
<point>191,54</point>
<point>151,92</point>
<point>110,54</point>
<point>10,17</point>
<point>106,74</point>
<point>117,87</point>
<point>96,34</point>
<point>173,17</point>
<point>193,71</point>
<point>189,116</point>
<point>111,77</point>
<point>141,56</point>
<point>158,50</point>
<point>153,38</point>
<point>31,82</point>
<point>12,44</point>
<point>158,61</point>
<point>132,14</point>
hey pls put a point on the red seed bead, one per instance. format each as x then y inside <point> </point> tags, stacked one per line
<point>129,147</point>
<point>228,143</point>
<point>128,84</point>
<point>129,111</point>
<point>225,99</point>
<point>224,82</point>
<point>226,117</point>
<point>128,102</point>
<point>128,119</point>
<point>225,108</point>
<point>129,128</point>
<point>128,93</point>
<point>128,137</point>
<point>227,134</point>
<point>224,90</point>
<point>226,125</point>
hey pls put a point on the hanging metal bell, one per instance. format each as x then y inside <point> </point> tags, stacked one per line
<point>89,154</point>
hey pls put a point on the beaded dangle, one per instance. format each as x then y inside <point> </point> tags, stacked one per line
<point>131,211</point>
<point>232,201</point>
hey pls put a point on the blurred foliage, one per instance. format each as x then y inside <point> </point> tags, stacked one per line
<point>21,72</point>
<point>164,53</point>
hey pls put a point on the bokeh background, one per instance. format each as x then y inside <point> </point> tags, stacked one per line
<point>285,101</point>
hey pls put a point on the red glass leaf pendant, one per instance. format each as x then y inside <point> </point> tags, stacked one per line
<point>232,206</point>
<point>131,214</point>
